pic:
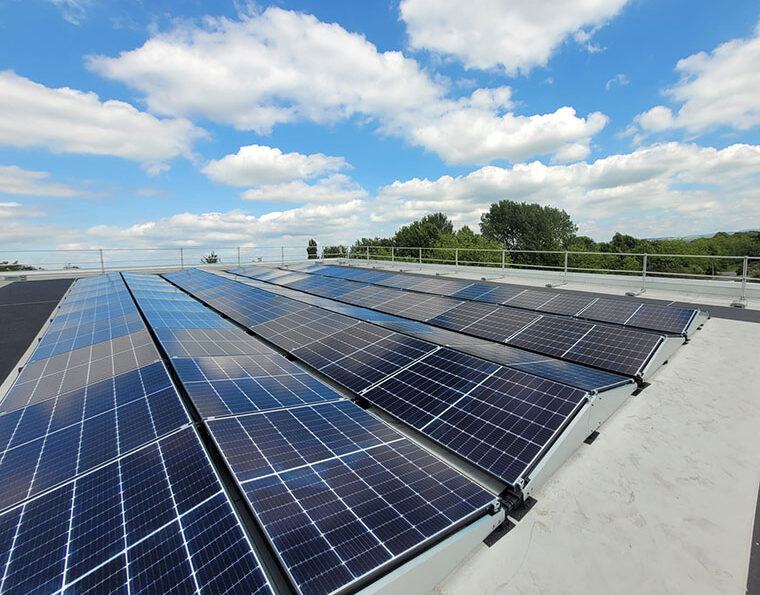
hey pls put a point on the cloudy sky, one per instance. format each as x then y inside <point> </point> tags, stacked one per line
<point>158,123</point>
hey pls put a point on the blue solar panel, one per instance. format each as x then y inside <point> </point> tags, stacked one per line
<point>153,521</point>
<point>52,441</point>
<point>240,384</point>
<point>339,494</point>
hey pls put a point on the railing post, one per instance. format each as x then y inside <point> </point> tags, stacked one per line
<point>745,270</point>
<point>503,257</point>
<point>456,258</point>
<point>238,250</point>
<point>644,271</point>
<point>181,258</point>
<point>420,255</point>
<point>393,253</point>
<point>282,255</point>
<point>565,266</point>
<point>102,265</point>
<point>367,253</point>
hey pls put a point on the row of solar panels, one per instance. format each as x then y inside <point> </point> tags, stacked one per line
<point>107,485</point>
<point>654,317</point>
<point>104,483</point>
<point>614,349</point>
<point>498,418</point>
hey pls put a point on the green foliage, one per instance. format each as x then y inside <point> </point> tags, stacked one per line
<point>15,266</point>
<point>523,226</point>
<point>211,258</point>
<point>311,249</point>
<point>334,251</point>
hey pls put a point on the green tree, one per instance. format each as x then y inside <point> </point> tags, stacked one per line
<point>311,249</point>
<point>523,226</point>
<point>211,258</point>
<point>334,251</point>
<point>15,266</point>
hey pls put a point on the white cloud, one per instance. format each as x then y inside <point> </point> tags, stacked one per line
<point>716,89</point>
<point>256,165</point>
<point>517,35</point>
<point>17,181</point>
<point>74,11</point>
<point>618,79</point>
<point>281,66</point>
<point>336,188</point>
<point>65,120</point>
<point>698,188</point>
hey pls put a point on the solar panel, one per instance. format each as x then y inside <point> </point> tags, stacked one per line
<point>567,304</point>
<point>55,440</point>
<point>440,286</point>
<point>46,378</point>
<point>529,299</point>
<point>605,310</point>
<point>339,494</point>
<point>463,315</point>
<point>401,281</point>
<point>499,295</point>
<point>473,291</point>
<point>500,324</point>
<point>183,342</point>
<point>418,306</point>
<point>419,393</point>
<point>662,318</point>
<point>617,349</point>
<point>232,385</point>
<point>154,521</point>
<point>573,374</point>
<point>550,335</point>
<point>369,295</point>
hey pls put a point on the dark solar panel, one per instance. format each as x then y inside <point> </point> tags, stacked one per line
<point>505,423</point>
<point>667,319</point>
<point>605,310</point>
<point>425,389</point>
<point>529,299</point>
<point>499,295</point>
<point>183,342</point>
<point>501,324</point>
<point>573,374</point>
<point>345,495</point>
<point>62,437</point>
<point>473,291</point>
<point>568,304</point>
<point>551,335</point>
<point>619,350</point>
<point>463,315</point>
<point>440,286</point>
<point>153,521</point>
<point>242,384</point>
<point>402,281</point>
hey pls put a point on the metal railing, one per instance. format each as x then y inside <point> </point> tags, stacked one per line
<point>643,265</point>
<point>109,259</point>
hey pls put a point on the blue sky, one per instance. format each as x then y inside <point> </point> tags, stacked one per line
<point>130,123</point>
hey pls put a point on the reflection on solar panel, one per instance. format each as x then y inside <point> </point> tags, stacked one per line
<point>241,384</point>
<point>155,521</point>
<point>340,494</point>
<point>654,317</point>
<point>554,337</point>
<point>184,342</point>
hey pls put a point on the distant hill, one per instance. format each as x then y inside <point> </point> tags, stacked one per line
<point>698,236</point>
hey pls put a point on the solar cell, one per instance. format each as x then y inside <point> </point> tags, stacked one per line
<point>662,318</point>
<point>606,310</point>
<point>529,299</point>
<point>345,495</point>
<point>620,350</point>
<point>156,520</point>
<point>568,304</point>
<point>240,384</point>
<point>551,335</point>
<point>54,440</point>
<point>181,342</point>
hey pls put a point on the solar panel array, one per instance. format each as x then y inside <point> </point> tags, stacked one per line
<point>654,317</point>
<point>105,484</point>
<point>414,380</point>
<point>617,350</point>
<point>338,494</point>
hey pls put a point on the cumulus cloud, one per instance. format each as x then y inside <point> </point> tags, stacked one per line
<point>516,35</point>
<point>17,181</point>
<point>66,120</point>
<point>336,188</point>
<point>720,88</point>
<point>256,165</point>
<point>697,187</point>
<point>280,66</point>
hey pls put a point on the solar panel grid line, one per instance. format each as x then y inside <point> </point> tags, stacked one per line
<point>579,340</point>
<point>633,314</point>
<point>513,297</point>
<point>460,399</point>
<point>400,370</point>
<point>586,307</point>
<point>526,327</point>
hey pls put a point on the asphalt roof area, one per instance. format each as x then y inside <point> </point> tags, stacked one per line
<point>24,307</point>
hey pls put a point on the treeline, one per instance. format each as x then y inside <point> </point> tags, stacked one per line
<point>519,228</point>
